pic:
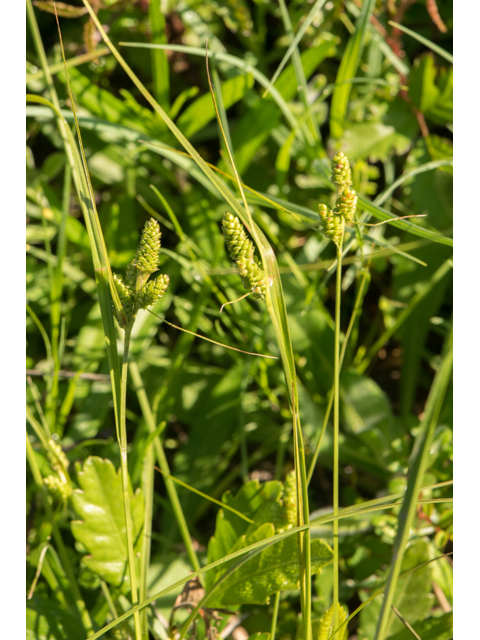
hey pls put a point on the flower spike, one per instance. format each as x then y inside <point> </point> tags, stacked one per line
<point>136,291</point>
<point>242,251</point>
<point>332,222</point>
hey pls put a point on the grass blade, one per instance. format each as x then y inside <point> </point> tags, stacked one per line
<point>366,507</point>
<point>232,60</point>
<point>348,69</point>
<point>428,43</point>
<point>293,45</point>
<point>383,214</point>
<point>417,470</point>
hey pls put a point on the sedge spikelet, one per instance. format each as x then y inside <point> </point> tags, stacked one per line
<point>242,251</point>
<point>126,298</point>
<point>346,204</point>
<point>290,498</point>
<point>152,291</point>
<point>341,172</point>
<point>147,258</point>
<point>331,223</point>
<point>137,292</point>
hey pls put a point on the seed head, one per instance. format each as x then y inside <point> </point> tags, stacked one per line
<point>290,498</point>
<point>147,258</point>
<point>341,172</point>
<point>346,204</point>
<point>152,291</point>
<point>242,251</point>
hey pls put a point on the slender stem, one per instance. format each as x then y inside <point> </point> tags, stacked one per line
<point>356,308</point>
<point>148,492</point>
<point>163,464</point>
<point>336,422</point>
<point>276,606</point>
<point>125,481</point>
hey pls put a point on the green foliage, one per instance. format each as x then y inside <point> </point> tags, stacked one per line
<point>220,420</point>
<point>274,569</point>
<point>101,530</point>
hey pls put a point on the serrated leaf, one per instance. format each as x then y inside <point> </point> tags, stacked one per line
<point>274,569</point>
<point>259,502</point>
<point>101,531</point>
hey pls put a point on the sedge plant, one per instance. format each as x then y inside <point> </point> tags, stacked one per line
<point>332,225</point>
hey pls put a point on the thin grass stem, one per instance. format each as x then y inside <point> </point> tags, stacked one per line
<point>336,430</point>
<point>356,308</point>
<point>125,480</point>
<point>276,606</point>
<point>163,464</point>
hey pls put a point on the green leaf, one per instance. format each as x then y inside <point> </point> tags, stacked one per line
<point>432,628</point>
<point>201,112</point>
<point>274,569</point>
<point>48,621</point>
<point>366,412</point>
<point>373,140</point>
<point>259,502</point>
<point>348,69</point>
<point>102,529</point>
<point>261,118</point>
<point>104,104</point>
<point>431,95</point>
<point>413,597</point>
<point>425,41</point>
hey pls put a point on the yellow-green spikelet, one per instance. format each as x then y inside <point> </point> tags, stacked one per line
<point>147,258</point>
<point>242,251</point>
<point>290,498</point>
<point>341,172</point>
<point>126,298</point>
<point>152,291</point>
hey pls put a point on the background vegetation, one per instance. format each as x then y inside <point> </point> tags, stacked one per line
<point>222,418</point>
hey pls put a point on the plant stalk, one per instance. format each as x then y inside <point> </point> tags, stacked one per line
<point>125,481</point>
<point>336,430</point>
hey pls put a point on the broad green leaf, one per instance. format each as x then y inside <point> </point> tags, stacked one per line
<point>46,620</point>
<point>259,502</point>
<point>201,112</point>
<point>364,404</point>
<point>373,140</point>
<point>101,530</point>
<point>432,95</point>
<point>274,569</point>
<point>413,597</point>
<point>432,191</point>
